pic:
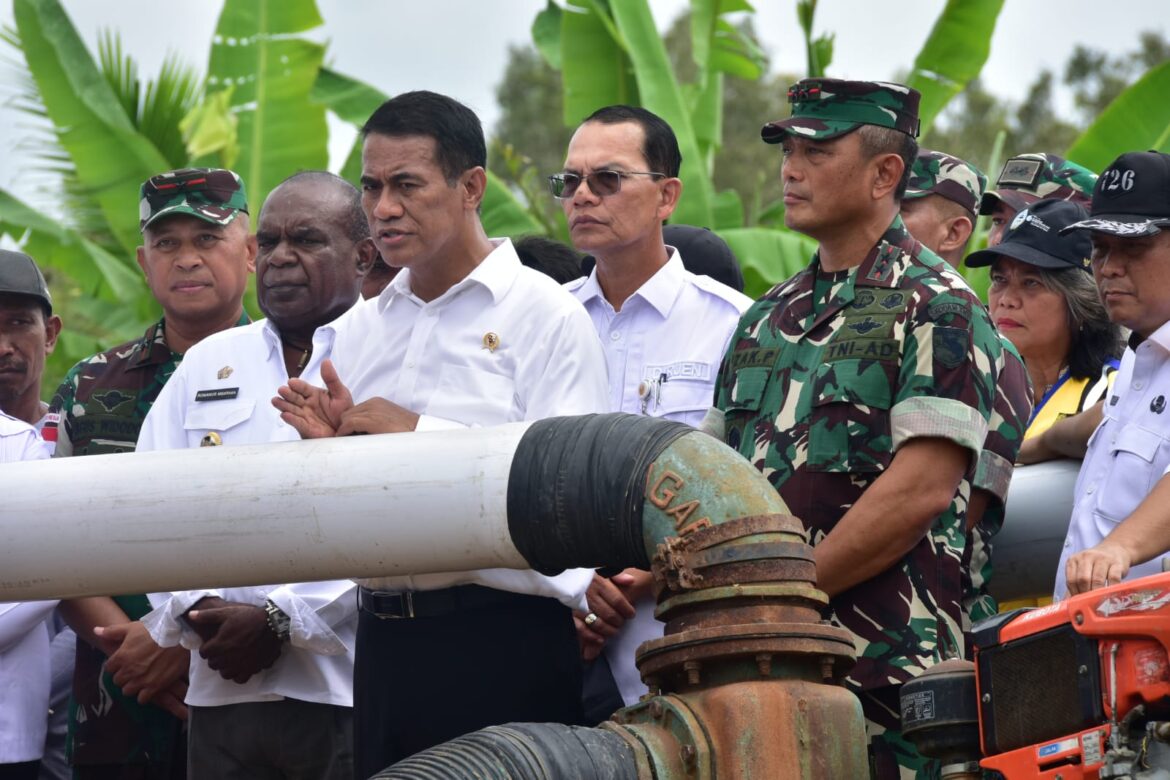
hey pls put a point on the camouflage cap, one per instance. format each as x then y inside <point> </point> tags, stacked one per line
<point>938,173</point>
<point>1027,178</point>
<point>1132,197</point>
<point>827,108</point>
<point>19,275</point>
<point>214,195</point>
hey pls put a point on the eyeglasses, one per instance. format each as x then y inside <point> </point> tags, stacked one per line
<point>602,183</point>
<point>216,186</point>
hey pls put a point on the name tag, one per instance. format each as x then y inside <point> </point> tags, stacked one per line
<point>220,394</point>
<point>691,369</point>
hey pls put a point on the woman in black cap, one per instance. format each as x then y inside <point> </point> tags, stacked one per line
<point>1044,300</point>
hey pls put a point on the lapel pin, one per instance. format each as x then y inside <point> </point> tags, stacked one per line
<point>224,372</point>
<point>490,341</point>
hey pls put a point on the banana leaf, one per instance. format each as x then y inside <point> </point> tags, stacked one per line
<point>111,158</point>
<point>595,70</point>
<point>659,92</point>
<point>768,257</point>
<point>353,101</point>
<point>953,54</point>
<point>257,52</point>
<point>1137,120</point>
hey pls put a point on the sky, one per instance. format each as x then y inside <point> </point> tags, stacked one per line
<point>459,47</point>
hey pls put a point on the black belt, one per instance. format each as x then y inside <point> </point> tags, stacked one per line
<point>432,603</point>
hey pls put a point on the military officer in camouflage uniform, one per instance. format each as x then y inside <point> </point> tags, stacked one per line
<point>862,388</point>
<point>196,255</point>
<point>939,209</point>
<point>1027,178</point>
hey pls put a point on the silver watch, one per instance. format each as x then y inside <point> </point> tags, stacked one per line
<point>278,621</point>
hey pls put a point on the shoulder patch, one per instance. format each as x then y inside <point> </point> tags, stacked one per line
<point>950,345</point>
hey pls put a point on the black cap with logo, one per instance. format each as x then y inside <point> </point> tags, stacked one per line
<point>1132,197</point>
<point>1035,237</point>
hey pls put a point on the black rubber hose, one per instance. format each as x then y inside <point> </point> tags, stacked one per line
<point>577,487</point>
<point>522,751</point>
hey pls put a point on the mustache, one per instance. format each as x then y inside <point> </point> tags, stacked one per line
<point>13,365</point>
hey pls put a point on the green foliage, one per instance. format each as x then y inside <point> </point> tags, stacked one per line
<point>257,55</point>
<point>818,50</point>
<point>1138,119</point>
<point>767,256</point>
<point>954,53</point>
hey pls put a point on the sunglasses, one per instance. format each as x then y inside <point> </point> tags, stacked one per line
<point>601,183</point>
<point>216,186</point>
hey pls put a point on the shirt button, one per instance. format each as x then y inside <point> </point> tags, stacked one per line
<point>410,364</point>
<point>615,336</point>
<point>1137,385</point>
<point>1091,488</point>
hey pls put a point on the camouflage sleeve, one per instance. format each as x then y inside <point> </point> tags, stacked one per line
<point>1009,421</point>
<point>946,383</point>
<point>62,405</point>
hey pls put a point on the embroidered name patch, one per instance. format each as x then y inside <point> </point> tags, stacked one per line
<point>688,369</point>
<point>219,394</point>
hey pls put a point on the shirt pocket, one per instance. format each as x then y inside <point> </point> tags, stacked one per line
<point>849,422</point>
<point>743,407</point>
<point>473,396</point>
<point>1131,472</point>
<point>219,416</point>
<point>681,399</point>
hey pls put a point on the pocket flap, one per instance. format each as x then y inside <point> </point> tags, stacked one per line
<point>853,381</point>
<point>218,415</point>
<point>1137,441</point>
<point>748,390</point>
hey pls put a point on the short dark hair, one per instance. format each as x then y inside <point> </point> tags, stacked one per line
<point>455,128</point>
<point>357,227</point>
<point>659,145</point>
<point>550,257</point>
<point>877,140</point>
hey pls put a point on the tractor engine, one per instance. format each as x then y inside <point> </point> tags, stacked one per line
<point>1078,689</point>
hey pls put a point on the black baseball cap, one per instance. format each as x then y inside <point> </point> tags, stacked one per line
<point>1035,236</point>
<point>19,275</point>
<point>1132,197</point>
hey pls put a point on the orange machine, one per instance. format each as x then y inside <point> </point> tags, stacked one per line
<point>1077,689</point>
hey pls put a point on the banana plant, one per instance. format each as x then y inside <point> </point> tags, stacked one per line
<point>1135,121</point>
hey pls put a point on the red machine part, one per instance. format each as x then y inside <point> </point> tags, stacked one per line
<point>1130,624</point>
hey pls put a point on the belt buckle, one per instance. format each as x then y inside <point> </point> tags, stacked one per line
<point>405,602</point>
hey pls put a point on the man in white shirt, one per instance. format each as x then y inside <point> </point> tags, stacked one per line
<point>663,329</point>
<point>271,690</point>
<point>24,644</point>
<point>463,335</point>
<point>1120,525</point>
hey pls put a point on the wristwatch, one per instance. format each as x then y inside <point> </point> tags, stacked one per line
<point>278,621</point>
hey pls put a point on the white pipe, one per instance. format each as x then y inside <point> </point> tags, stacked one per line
<point>225,516</point>
<point>1026,552</point>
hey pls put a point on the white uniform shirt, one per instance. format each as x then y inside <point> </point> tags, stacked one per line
<point>505,344</point>
<point>1127,455</point>
<point>663,351</point>
<point>238,371</point>
<point>24,636</point>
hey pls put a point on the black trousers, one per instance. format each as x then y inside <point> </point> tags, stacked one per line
<point>419,682</point>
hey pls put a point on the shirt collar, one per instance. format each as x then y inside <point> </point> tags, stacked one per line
<point>495,273</point>
<point>660,291</point>
<point>1161,337</point>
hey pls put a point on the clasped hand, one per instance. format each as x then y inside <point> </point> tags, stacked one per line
<point>318,413</point>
